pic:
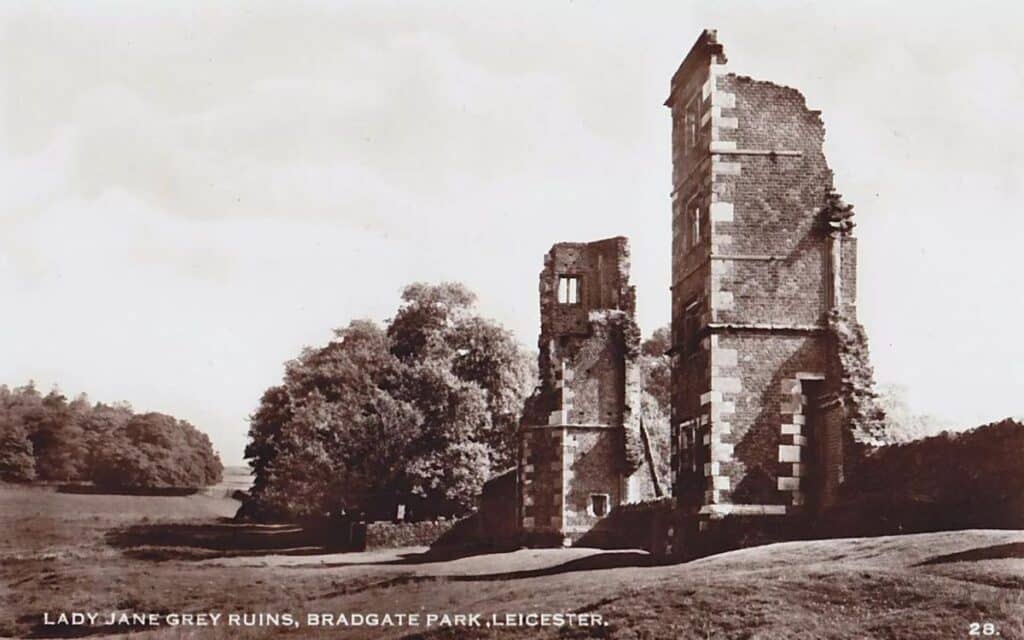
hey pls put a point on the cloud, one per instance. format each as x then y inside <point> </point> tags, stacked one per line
<point>192,192</point>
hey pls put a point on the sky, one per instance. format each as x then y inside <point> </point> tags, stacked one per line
<point>191,192</point>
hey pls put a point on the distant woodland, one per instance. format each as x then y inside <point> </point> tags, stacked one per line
<point>47,438</point>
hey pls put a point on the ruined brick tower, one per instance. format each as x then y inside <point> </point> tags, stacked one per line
<point>766,348</point>
<point>581,450</point>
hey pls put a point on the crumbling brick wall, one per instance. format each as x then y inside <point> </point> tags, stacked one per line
<point>760,408</point>
<point>581,428</point>
<point>769,290</point>
<point>585,330</point>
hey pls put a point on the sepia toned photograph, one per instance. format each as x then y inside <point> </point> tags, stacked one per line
<point>563,319</point>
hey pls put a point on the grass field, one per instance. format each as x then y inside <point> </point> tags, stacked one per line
<point>235,479</point>
<point>96,553</point>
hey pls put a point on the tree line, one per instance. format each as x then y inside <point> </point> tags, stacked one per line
<point>48,438</point>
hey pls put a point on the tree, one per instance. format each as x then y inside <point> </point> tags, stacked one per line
<point>488,355</point>
<point>417,414</point>
<point>428,314</point>
<point>332,437</point>
<point>155,450</point>
<point>656,403</point>
<point>100,427</point>
<point>448,458</point>
<point>436,323</point>
<point>469,377</point>
<point>58,441</point>
<point>17,464</point>
<point>655,368</point>
<point>901,424</point>
<point>335,457</point>
<point>265,427</point>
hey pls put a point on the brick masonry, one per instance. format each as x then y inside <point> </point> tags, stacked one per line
<point>756,412</point>
<point>581,427</point>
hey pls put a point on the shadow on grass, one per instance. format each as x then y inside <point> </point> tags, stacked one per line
<point>430,556</point>
<point>994,552</point>
<point>88,489</point>
<point>202,541</point>
<point>227,538</point>
<point>592,563</point>
<point>597,562</point>
<point>617,560</point>
<point>224,539</point>
<point>445,554</point>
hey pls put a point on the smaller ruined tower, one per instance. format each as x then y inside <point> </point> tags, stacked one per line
<point>581,452</point>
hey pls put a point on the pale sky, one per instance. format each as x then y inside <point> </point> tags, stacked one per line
<point>192,191</point>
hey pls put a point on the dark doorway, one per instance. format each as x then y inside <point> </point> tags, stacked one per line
<point>814,465</point>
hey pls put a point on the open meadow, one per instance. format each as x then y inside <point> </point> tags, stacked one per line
<point>103,553</point>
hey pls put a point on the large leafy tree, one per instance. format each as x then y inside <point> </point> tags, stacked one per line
<point>437,323</point>
<point>416,414</point>
<point>332,436</point>
<point>271,418</point>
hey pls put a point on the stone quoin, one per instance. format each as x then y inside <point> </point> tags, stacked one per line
<point>581,449</point>
<point>763,278</point>
<point>772,405</point>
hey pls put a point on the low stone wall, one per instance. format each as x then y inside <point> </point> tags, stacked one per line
<point>499,522</point>
<point>969,480</point>
<point>718,535</point>
<point>947,482</point>
<point>388,535</point>
<point>669,533</point>
<point>656,526</point>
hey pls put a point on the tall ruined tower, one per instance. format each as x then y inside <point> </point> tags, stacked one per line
<point>765,345</point>
<point>581,452</point>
